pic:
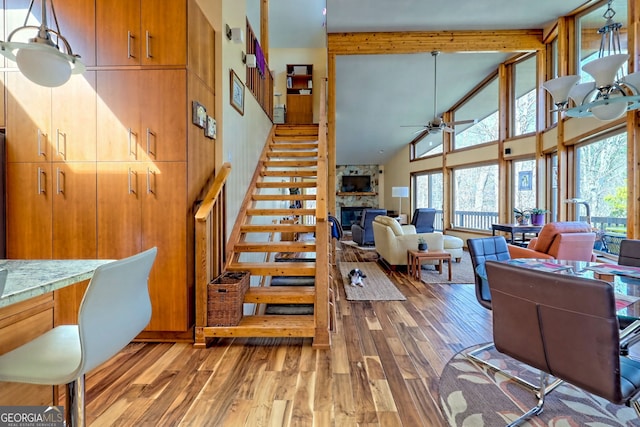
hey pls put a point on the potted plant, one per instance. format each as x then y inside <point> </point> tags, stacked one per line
<point>537,216</point>
<point>522,216</point>
<point>422,244</point>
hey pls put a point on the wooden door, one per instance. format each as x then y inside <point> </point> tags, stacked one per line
<point>28,120</point>
<point>164,32</point>
<point>118,109</point>
<point>29,210</point>
<point>73,119</point>
<point>118,35</point>
<point>164,126</point>
<point>118,209</point>
<point>164,216</point>
<point>77,21</point>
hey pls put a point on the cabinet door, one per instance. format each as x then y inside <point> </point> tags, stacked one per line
<point>164,128</point>
<point>74,210</point>
<point>164,216</point>
<point>119,210</point>
<point>28,120</point>
<point>73,119</point>
<point>299,109</point>
<point>119,130</point>
<point>118,35</point>
<point>161,46</point>
<point>29,214</point>
<point>77,21</point>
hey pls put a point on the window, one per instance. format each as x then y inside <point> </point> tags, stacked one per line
<point>523,189</point>
<point>428,193</point>
<point>524,102</point>
<point>601,168</point>
<point>552,73</point>
<point>482,106</point>
<point>552,195</point>
<point>428,146</point>
<point>475,197</point>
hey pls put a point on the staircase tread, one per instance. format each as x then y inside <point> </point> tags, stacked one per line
<point>276,197</point>
<point>270,325</point>
<point>280,212</point>
<point>280,295</point>
<point>276,246</point>
<point>275,268</point>
<point>287,184</point>
<point>274,228</point>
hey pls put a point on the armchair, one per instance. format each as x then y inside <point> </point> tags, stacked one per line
<point>393,240</point>
<point>560,240</point>
<point>423,220</point>
<point>362,232</point>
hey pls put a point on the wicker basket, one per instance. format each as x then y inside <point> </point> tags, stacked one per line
<point>225,298</point>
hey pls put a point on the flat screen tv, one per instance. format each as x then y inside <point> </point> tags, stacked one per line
<point>356,184</point>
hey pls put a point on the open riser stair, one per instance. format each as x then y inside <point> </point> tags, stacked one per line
<point>274,239</point>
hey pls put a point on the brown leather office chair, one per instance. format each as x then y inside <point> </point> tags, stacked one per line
<point>569,240</point>
<point>565,326</point>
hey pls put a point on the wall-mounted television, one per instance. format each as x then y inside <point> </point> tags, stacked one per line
<point>356,184</point>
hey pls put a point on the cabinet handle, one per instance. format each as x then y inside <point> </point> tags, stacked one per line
<point>60,183</point>
<point>63,153</point>
<point>129,37</point>
<point>132,152</point>
<point>151,189</point>
<point>131,189</point>
<point>42,178</point>
<point>40,136</point>
<point>148,36</point>
<point>150,134</point>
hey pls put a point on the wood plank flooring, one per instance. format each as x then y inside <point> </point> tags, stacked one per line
<point>382,369</point>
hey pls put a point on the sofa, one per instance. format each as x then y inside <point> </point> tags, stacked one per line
<point>570,240</point>
<point>362,231</point>
<point>393,240</point>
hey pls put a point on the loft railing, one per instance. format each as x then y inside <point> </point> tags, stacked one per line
<point>259,84</point>
<point>322,303</point>
<point>210,246</point>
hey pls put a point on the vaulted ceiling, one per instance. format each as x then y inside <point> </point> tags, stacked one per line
<point>377,94</point>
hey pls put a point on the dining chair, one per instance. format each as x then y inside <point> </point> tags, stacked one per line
<point>565,326</point>
<point>115,308</point>
<point>481,250</point>
<point>629,253</point>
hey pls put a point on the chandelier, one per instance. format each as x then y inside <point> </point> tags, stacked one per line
<point>42,60</point>
<point>610,95</point>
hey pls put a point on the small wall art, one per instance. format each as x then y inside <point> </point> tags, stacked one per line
<point>237,93</point>
<point>199,115</point>
<point>210,130</point>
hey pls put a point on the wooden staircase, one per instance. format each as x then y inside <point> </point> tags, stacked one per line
<point>258,244</point>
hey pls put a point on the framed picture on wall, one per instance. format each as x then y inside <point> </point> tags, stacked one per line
<point>199,115</point>
<point>210,130</point>
<point>237,93</point>
<point>524,180</point>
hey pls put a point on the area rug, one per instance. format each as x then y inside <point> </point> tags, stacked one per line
<point>462,272</point>
<point>473,395</point>
<point>377,286</point>
<point>355,245</point>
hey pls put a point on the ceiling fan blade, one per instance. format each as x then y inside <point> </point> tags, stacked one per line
<point>463,122</point>
<point>413,126</point>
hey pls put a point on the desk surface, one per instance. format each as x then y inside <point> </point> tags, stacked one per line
<point>29,278</point>
<point>514,228</point>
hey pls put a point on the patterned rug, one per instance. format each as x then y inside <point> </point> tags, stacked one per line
<point>355,245</point>
<point>462,272</point>
<point>472,395</point>
<point>377,286</point>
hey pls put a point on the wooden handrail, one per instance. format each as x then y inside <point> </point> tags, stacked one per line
<point>213,193</point>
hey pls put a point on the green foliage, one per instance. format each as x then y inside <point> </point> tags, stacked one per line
<point>538,211</point>
<point>618,202</point>
<point>521,212</point>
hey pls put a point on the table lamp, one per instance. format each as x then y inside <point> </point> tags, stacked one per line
<point>400,192</point>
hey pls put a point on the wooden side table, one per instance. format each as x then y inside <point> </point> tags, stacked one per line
<point>414,259</point>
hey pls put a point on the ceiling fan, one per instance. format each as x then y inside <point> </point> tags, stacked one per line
<point>437,125</point>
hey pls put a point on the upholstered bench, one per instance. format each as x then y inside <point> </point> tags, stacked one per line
<point>453,245</point>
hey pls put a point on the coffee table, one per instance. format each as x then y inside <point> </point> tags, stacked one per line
<point>415,258</point>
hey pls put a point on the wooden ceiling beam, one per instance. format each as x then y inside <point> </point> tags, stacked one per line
<point>425,41</point>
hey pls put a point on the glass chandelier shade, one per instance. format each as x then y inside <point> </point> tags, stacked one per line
<point>610,96</point>
<point>40,59</point>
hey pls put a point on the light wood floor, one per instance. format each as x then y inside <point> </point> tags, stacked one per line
<point>382,369</point>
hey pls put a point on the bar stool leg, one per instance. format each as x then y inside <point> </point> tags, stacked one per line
<point>74,403</point>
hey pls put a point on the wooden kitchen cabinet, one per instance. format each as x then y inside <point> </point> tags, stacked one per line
<point>135,121</point>
<point>141,32</point>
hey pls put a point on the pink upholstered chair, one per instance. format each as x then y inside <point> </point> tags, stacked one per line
<point>571,240</point>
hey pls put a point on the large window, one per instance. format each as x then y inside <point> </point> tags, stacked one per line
<point>428,146</point>
<point>475,197</point>
<point>524,102</point>
<point>428,193</point>
<point>601,182</point>
<point>524,184</point>
<point>482,106</point>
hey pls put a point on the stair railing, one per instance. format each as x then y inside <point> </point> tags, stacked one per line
<point>322,338</point>
<point>210,246</point>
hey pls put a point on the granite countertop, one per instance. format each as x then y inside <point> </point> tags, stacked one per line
<point>30,278</point>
